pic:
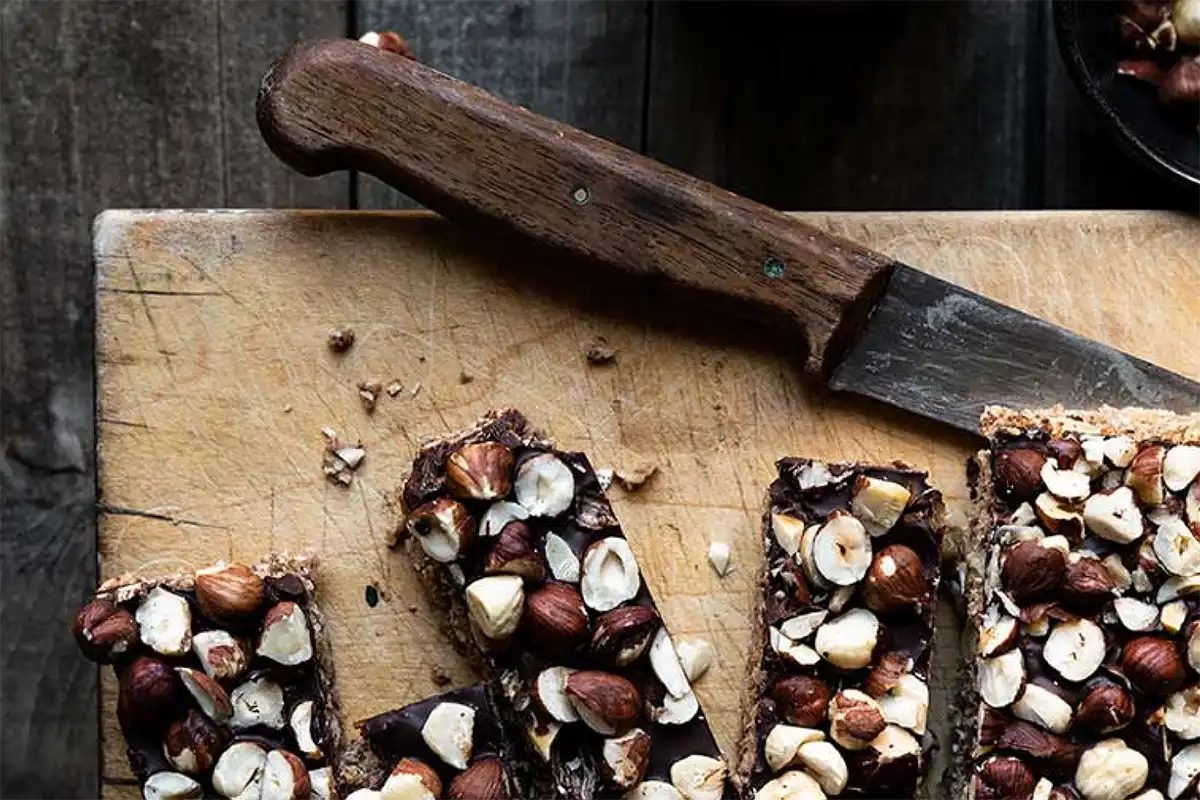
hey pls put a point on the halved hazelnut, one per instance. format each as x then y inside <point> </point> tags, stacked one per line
<point>1075,649</point>
<point>699,777</point>
<point>610,574</point>
<point>285,637</point>
<point>1181,465</point>
<point>653,790</point>
<point>104,630</point>
<point>239,770</point>
<point>495,605</point>
<point>1185,767</point>
<point>1181,714</point>
<point>320,784</point>
<point>498,515</point>
<point>412,779</point>
<point>165,622</point>
<point>997,632</point>
<point>1001,678</point>
<point>258,701</point>
<point>793,785</point>
<point>841,550</point>
<point>606,702</point>
<point>449,731</point>
<point>564,564</point>
<point>626,758</point>
<point>825,763</point>
<point>1174,615</point>
<point>896,580</point>
<point>1114,516</point>
<point>1057,516</point>
<point>1176,587</point>
<point>783,742</point>
<point>228,591</point>
<point>665,663</point>
<point>483,780</point>
<point>895,744</point>
<point>1111,770</point>
<point>807,562</point>
<point>302,728</point>
<point>1145,474</point>
<point>801,626</point>
<point>222,655</point>
<point>284,777</point>
<point>907,704</point>
<point>801,699</point>
<point>675,710</point>
<point>1065,484</point>
<point>443,527</point>
<point>1105,708</point>
<point>623,634</point>
<point>695,655</point>
<point>878,503</point>
<point>171,786</point>
<point>1176,549</point>
<point>207,693</point>
<point>1043,708</point>
<point>513,553</point>
<point>1136,615</point>
<point>544,485</point>
<point>799,654</point>
<point>480,471</point>
<point>855,719</point>
<point>848,641</point>
<point>194,743</point>
<point>787,531</point>
<point>550,690</point>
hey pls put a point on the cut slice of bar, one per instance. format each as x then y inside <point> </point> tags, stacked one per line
<point>1084,571</point>
<point>840,659</point>
<point>517,542</point>
<point>412,741</point>
<point>225,679</point>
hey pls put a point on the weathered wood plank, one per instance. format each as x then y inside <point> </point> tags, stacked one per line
<point>578,61</point>
<point>851,105</point>
<point>106,105</point>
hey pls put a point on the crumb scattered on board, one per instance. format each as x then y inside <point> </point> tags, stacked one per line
<point>341,339</point>
<point>416,390</point>
<point>604,476</point>
<point>439,676</point>
<point>465,377</point>
<point>718,556</point>
<point>601,352</point>
<point>340,461</point>
<point>634,477</point>
<point>368,392</point>
<point>394,388</point>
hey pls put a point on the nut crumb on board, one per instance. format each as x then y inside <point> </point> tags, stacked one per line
<point>439,676</point>
<point>340,461</point>
<point>341,339</point>
<point>416,390</point>
<point>718,556</point>
<point>465,377</point>
<point>634,477</point>
<point>368,392</point>
<point>394,388</point>
<point>601,352</point>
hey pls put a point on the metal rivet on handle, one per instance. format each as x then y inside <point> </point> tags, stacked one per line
<point>580,195</point>
<point>773,268</point>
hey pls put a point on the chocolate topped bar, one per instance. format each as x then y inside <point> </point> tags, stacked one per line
<point>840,663</point>
<point>1084,598</point>
<point>225,679</point>
<point>519,545</point>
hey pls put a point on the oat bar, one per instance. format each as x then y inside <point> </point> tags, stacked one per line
<point>519,545</point>
<point>840,661</point>
<point>225,679</point>
<point>1085,568</point>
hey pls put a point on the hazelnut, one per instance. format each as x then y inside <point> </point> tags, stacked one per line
<point>1185,767</point>
<point>801,626</point>
<point>104,630</point>
<point>1007,777</point>
<point>896,580</point>
<point>1058,517</point>
<point>165,622</point>
<point>1065,484</point>
<point>841,550</point>
<point>610,574</point>
<point>718,558</point>
<point>1177,550</point>
<point>1019,473</point>
<point>886,675</point>
<point>1181,465</point>
<point>171,786</point>
<point>412,779</point>
<point>855,719</point>
<point>653,790</point>
<point>607,703</point>
<point>1111,770</point>
<point>664,661</point>
<point>495,604</point>
<point>1021,737</point>
<point>1181,713</point>
<point>799,654</point>
<point>825,763</point>
<point>513,554</point>
<point>699,777</point>
<point>1043,708</point>
<point>498,516</point>
<point>623,634</point>
<point>1001,678</point>
<point>695,655</point>
<point>555,618</point>
<point>1032,571</point>
<point>1105,708</point>
<point>782,745</point>
<point>222,655</point>
<point>149,693</point>
<point>207,693</point>
<point>1065,452</point>
<point>1087,584</point>
<point>626,758</point>
<point>1153,665</point>
<point>194,743</point>
<point>239,771</point>
<point>848,641</point>
<point>483,780</point>
<point>906,704</point>
<point>793,785</point>
<point>449,731</point>
<point>544,485</point>
<point>228,591</point>
<point>284,777</point>
<point>301,722</point>
<point>1075,649</point>
<point>258,701</point>
<point>1135,614</point>
<point>564,564</point>
<point>878,503</point>
<point>1145,474</point>
<point>787,532</point>
<point>285,636</point>
<point>550,691</point>
<point>443,527</point>
<point>542,736</point>
<point>801,699</point>
<point>997,633</point>
<point>480,471</point>
<point>1174,615</point>
<point>675,710</point>
<point>320,784</point>
<point>1114,515</point>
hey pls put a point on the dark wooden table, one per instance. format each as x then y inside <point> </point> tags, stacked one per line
<point>841,105</point>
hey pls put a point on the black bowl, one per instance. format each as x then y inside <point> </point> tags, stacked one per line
<point>1091,47</point>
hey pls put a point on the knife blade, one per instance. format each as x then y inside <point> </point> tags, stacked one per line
<point>868,325</point>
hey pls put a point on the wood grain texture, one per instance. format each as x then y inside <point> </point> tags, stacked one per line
<point>581,62</point>
<point>852,105</point>
<point>215,382</point>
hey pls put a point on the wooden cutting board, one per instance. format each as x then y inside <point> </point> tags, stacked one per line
<point>215,382</point>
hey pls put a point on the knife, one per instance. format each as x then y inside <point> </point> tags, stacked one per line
<point>868,324</point>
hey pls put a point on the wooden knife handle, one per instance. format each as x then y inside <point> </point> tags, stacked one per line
<point>340,104</point>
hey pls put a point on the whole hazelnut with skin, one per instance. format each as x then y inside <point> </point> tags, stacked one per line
<point>194,743</point>
<point>1065,451</point>
<point>802,700</point>
<point>1105,708</point>
<point>1019,473</point>
<point>483,780</point>
<point>421,771</point>
<point>896,580</point>
<point>104,630</point>
<point>555,618</point>
<point>1153,665</point>
<point>149,692</point>
<point>228,591</point>
<point>513,553</point>
<point>1032,571</point>
<point>1007,777</point>
<point>623,634</point>
<point>480,471</point>
<point>1087,584</point>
